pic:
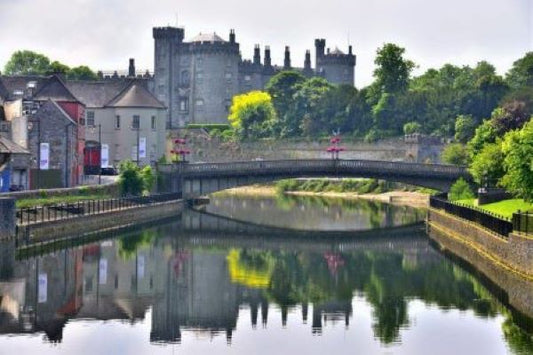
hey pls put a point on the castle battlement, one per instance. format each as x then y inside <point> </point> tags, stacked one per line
<point>168,33</point>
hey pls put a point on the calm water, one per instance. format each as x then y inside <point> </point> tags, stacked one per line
<point>248,283</point>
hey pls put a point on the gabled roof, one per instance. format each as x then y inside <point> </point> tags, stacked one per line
<point>53,106</point>
<point>135,95</point>
<point>96,94</point>
<point>206,37</point>
<point>10,147</point>
<point>54,88</point>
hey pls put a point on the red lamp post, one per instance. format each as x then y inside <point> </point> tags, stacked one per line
<point>334,148</point>
<point>180,151</point>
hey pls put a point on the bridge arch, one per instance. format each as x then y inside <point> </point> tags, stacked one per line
<point>194,180</point>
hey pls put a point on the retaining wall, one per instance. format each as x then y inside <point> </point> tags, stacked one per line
<point>514,253</point>
<point>108,220</point>
<point>111,189</point>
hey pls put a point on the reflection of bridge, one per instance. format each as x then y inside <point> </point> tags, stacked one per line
<point>199,179</point>
<point>208,229</point>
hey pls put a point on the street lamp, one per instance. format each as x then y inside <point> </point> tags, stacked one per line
<point>334,148</point>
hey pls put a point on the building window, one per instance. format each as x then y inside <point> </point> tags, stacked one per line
<point>153,123</point>
<point>247,78</point>
<point>117,122</point>
<point>199,102</point>
<point>184,104</point>
<point>136,122</point>
<point>228,75</point>
<point>90,118</point>
<point>185,78</point>
<point>199,75</point>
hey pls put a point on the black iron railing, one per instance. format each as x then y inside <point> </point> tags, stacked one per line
<point>492,221</point>
<point>523,222</point>
<point>60,211</point>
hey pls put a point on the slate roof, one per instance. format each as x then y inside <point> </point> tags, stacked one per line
<point>10,147</point>
<point>97,94</point>
<point>135,95</point>
<point>45,87</point>
<point>206,37</point>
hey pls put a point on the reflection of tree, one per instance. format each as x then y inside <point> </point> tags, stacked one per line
<point>130,243</point>
<point>519,341</point>
<point>250,267</point>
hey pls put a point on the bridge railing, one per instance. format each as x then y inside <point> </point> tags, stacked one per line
<point>325,165</point>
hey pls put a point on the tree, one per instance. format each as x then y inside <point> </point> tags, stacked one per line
<point>393,71</point>
<point>81,73</point>
<point>27,62</point>
<point>58,68</point>
<point>412,127</point>
<point>485,133</point>
<point>455,154</point>
<point>521,73</point>
<point>487,166</point>
<point>465,127</point>
<point>460,190</point>
<point>130,179</point>
<point>252,115</point>
<point>517,149</point>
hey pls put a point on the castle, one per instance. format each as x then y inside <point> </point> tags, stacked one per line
<point>197,79</point>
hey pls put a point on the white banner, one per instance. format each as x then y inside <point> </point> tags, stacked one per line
<point>42,290</point>
<point>104,156</point>
<point>44,156</point>
<point>142,147</point>
<point>140,266</point>
<point>102,276</point>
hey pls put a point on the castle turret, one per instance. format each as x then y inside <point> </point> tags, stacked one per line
<point>335,66</point>
<point>320,44</point>
<point>131,68</point>
<point>257,55</point>
<point>287,60</point>
<point>308,71</point>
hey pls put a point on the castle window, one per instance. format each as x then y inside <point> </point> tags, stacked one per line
<point>247,78</point>
<point>199,102</point>
<point>199,75</point>
<point>153,123</point>
<point>228,75</point>
<point>184,104</point>
<point>117,122</point>
<point>90,118</point>
<point>185,77</point>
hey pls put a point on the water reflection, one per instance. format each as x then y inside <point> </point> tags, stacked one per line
<point>197,275</point>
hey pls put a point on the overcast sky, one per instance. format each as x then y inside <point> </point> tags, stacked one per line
<point>105,33</point>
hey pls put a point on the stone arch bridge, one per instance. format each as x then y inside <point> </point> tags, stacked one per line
<point>198,179</point>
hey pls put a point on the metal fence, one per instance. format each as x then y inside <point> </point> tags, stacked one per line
<point>523,222</point>
<point>494,222</point>
<point>60,211</point>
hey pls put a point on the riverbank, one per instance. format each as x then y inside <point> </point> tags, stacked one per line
<point>404,198</point>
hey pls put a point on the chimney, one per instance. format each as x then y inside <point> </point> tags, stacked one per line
<point>131,68</point>
<point>350,50</point>
<point>307,62</point>
<point>268,60</point>
<point>232,36</point>
<point>287,61</point>
<point>257,55</point>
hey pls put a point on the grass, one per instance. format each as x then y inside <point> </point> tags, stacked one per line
<point>505,208</point>
<point>32,202</point>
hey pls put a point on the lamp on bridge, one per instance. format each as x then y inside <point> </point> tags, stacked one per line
<point>334,148</point>
<point>179,152</point>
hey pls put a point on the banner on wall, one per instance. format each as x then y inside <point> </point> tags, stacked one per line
<point>44,156</point>
<point>104,160</point>
<point>42,288</point>
<point>142,147</point>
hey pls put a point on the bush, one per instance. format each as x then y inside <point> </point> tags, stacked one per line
<point>455,154</point>
<point>133,180</point>
<point>460,190</point>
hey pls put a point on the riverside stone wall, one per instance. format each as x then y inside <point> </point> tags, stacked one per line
<point>111,189</point>
<point>514,253</point>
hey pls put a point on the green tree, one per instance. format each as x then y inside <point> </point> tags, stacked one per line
<point>455,154</point>
<point>521,73</point>
<point>58,68</point>
<point>412,127</point>
<point>518,162</point>
<point>130,179</point>
<point>465,127</point>
<point>81,73</point>
<point>393,70</point>
<point>485,133</point>
<point>27,62</point>
<point>460,190</point>
<point>487,166</point>
<point>252,115</point>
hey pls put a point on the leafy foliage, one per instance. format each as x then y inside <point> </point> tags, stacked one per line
<point>455,154</point>
<point>252,115</point>
<point>134,180</point>
<point>460,190</point>
<point>487,166</point>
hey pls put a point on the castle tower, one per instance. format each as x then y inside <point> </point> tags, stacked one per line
<point>287,60</point>
<point>335,66</point>
<point>166,41</point>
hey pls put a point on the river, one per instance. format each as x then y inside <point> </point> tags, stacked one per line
<point>258,276</point>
